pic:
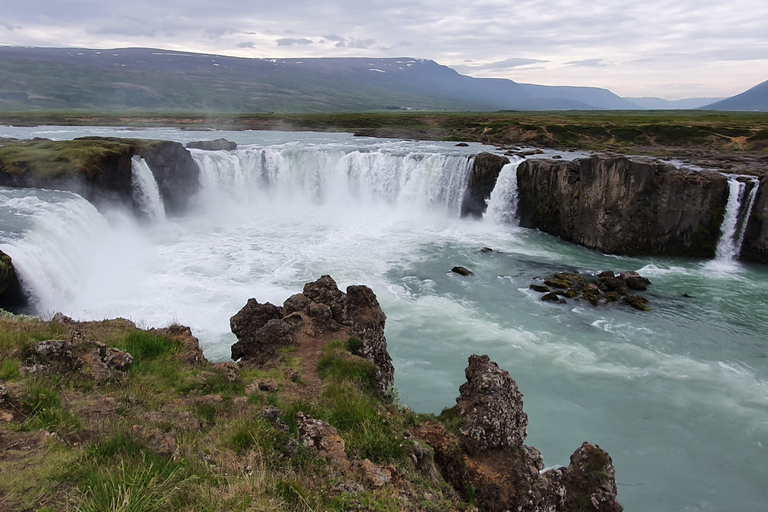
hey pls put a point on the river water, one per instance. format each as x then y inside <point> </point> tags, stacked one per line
<point>678,395</point>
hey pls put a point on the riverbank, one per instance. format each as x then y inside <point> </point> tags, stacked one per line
<point>98,413</point>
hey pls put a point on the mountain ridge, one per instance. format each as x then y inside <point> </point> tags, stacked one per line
<point>753,99</point>
<point>156,79</point>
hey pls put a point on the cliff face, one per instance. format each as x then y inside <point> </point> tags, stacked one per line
<point>755,246</point>
<point>11,296</point>
<point>175,172</point>
<point>624,206</point>
<point>482,179</point>
<point>99,169</point>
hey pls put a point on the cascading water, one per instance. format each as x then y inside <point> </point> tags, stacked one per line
<point>682,413</point>
<point>736,218</point>
<point>58,243</point>
<point>146,193</point>
<point>748,213</point>
<point>283,177</point>
<point>502,205</point>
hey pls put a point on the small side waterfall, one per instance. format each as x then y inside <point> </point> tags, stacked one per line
<point>502,205</point>
<point>145,190</point>
<point>736,218</point>
<point>745,220</point>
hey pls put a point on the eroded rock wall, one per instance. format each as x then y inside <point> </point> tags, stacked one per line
<point>487,457</point>
<point>485,171</point>
<point>99,169</point>
<point>624,206</point>
<point>11,296</point>
<point>755,246</point>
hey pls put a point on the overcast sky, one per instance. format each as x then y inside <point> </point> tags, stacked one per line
<point>671,49</point>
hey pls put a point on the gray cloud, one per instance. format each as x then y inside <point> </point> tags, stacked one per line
<point>589,63</point>
<point>718,45</point>
<point>246,44</point>
<point>291,41</point>
<point>510,63</point>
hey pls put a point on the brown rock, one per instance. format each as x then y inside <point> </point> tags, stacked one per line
<point>375,475</point>
<point>613,283</point>
<point>159,441</point>
<point>539,288</point>
<point>117,359</point>
<point>229,370</point>
<point>324,438</point>
<point>491,407</point>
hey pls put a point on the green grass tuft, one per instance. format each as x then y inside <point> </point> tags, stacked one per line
<point>144,345</point>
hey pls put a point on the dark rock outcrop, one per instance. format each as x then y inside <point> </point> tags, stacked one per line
<point>491,406</point>
<point>99,169</point>
<point>213,145</point>
<point>755,247</point>
<point>11,296</point>
<point>626,206</point>
<point>482,179</point>
<point>81,354</point>
<point>177,175</point>
<point>604,290</point>
<point>320,310</point>
<point>487,456</point>
<point>462,271</point>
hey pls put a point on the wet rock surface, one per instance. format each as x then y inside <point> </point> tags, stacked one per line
<point>219,144</point>
<point>11,296</point>
<point>487,453</point>
<point>606,288</point>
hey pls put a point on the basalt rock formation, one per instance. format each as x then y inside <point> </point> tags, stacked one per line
<point>625,206</point>
<point>487,457</point>
<point>176,174</point>
<point>319,314</point>
<point>755,247</point>
<point>11,296</point>
<point>482,179</point>
<point>99,168</point>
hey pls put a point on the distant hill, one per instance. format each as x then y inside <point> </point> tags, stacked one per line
<point>163,80</point>
<point>662,104</point>
<point>754,99</point>
<point>587,95</point>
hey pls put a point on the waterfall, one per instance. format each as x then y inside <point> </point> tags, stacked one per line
<point>736,218</point>
<point>745,219</point>
<point>502,205</point>
<point>52,249</point>
<point>146,194</point>
<point>285,177</point>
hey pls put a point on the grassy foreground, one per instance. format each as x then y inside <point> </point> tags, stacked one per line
<point>656,132</point>
<point>175,432</point>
